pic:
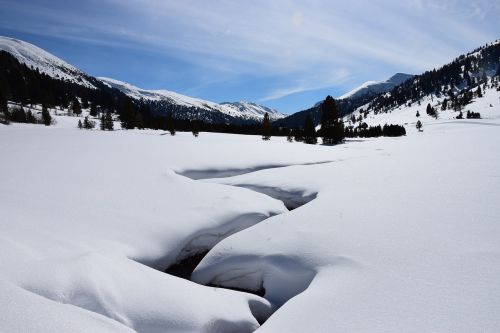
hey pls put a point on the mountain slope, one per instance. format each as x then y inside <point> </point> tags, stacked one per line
<point>169,101</point>
<point>375,88</point>
<point>161,102</point>
<point>46,63</point>
<point>348,102</point>
<point>471,82</point>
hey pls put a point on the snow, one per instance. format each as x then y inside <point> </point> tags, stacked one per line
<point>88,217</point>
<point>375,87</point>
<point>488,106</point>
<point>244,110</point>
<point>403,238</point>
<point>35,57</point>
<point>387,234</point>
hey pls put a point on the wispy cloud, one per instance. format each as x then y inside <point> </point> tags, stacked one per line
<point>310,43</point>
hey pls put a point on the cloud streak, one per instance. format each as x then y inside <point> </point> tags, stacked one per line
<point>311,44</point>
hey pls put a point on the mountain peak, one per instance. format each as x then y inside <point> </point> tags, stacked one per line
<point>375,87</point>
<point>399,78</point>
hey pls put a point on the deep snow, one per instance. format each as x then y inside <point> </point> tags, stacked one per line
<point>394,235</point>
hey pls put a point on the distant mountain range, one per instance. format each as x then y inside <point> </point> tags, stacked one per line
<point>160,101</point>
<point>37,76</point>
<point>347,102</point>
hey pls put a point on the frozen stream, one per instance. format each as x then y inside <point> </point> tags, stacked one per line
<point>193,253</point>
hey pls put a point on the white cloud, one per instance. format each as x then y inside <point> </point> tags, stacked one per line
<point>305,40</point>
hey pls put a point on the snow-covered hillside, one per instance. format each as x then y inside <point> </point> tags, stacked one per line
<point>488,106</point>
<point>374,87</point>
<point>45,62</point>
<point>164,101</point>
<point>252,110</point>
<point>241,110</point>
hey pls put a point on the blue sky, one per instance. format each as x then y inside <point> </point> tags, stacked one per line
<point>283,54</point>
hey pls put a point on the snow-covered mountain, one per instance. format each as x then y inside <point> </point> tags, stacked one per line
<point>243,110</point>
<point>347,102</point>
<point>470,83</point>
<point>161,101</point>
<point>255,110</point>
<point>46,63</point>
<point>375,87</point>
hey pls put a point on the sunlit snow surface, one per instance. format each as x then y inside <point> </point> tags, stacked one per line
<point>401,235</point>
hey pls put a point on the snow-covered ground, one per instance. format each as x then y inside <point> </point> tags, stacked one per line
<point>396,234</point>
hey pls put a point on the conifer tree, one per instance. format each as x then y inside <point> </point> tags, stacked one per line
<point>109,122</point>
<point>289,137</point>
<point>195,128</point>
<point>479,92</point>
<point>88,124</point>
<point>418,114</point>
<point>93,110</point>
<point>76,108</point>
<point>419,126</point>
<point>170,124</point>
<point>309,131</point>
<point>298,134</point>
<point>80,126</point>
<point>30,118</point>
<point>102,123</point>
<point>46,118</point>
<point>266,128</point>
<point>332,128</point>
<point>127,115</point>
<point>444,106</point>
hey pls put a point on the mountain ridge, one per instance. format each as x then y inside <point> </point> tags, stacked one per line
<point>162,102</point>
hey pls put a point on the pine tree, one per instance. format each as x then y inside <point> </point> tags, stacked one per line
<point>102,123</point>
<point>195,128</point>
<point>30,118</point>
<point>266,128</point>
<point>419,126</point>
<point>429,109</point>
<point>88,124</point>
<point>289,137</point>
<point>170,124</point>
<point>309,131</point>
<point>298,134</point>
<point>479,92</point>
<point>46,118</point>
<point>93,110</point>
<point>80,126</point>
<point>332,128</point>
<point>418,114</point>
<point>76,108</point>
<point>127,115</point>
<point>444,106</point>
<point>109,122</point>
